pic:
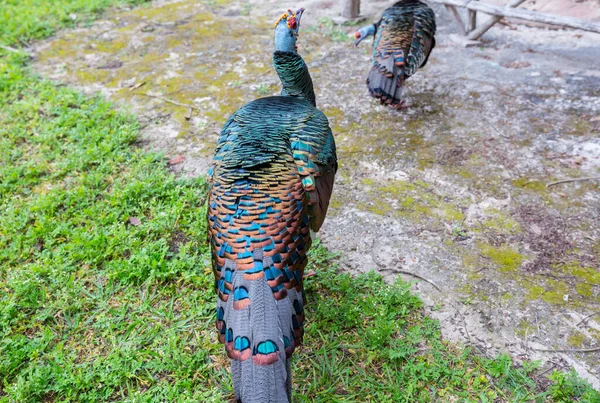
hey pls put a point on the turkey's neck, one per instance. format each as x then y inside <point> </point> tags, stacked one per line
<point>294,76</point>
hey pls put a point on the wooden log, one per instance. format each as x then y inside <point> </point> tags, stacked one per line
<point>461,25</point>
<point>351,8</point>
<point>526,15</point>
<point>476,34</point>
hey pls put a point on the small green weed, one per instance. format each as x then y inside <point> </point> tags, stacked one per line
<point>334,31</point>
<point>246,8</point>
<point>566,386</point>
<point>262,89</point>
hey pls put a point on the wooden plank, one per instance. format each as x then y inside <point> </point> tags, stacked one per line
<point>476,34</point>
<point>526,15</point>
<point>461,25</point>
<point>351,8</point>
<point>473,20</point>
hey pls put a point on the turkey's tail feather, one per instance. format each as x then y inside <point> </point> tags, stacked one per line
<point>262,375</point>
<point>249,373</point>
<point>403,42</point>
<point>259,254</point>
<point>258,332</point>
<point>385,82</point>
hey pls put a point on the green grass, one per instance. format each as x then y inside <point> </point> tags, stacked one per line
<point>26,20</point>
<point>95,309</point>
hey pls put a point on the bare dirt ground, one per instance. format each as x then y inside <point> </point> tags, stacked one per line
<point>452,189</point>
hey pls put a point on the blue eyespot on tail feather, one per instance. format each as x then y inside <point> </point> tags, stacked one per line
<point>265,353</point>
<point>241,298</point>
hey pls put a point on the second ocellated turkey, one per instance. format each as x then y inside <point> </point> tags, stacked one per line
<point>272,177</point>
<point>403,40</point>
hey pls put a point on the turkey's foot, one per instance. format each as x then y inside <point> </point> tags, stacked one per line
<point>399,106</point>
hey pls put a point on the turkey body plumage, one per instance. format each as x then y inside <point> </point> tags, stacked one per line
<point>270,184</point>
<point>404,38</point>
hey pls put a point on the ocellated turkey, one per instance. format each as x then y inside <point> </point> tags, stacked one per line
<point>403,40</point>
<point>270,184</point>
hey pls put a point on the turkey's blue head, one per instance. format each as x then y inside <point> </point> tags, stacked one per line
<point>363,33</point>
<point>286,31</point>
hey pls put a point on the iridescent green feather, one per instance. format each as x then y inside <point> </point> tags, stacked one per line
<point>271,180</point>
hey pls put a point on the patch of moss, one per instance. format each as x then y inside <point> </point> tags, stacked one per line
<point>466,288</point>
<point>465,173</point>
<point>527,183</point>
<point>473,276</point>
<point>408,202</point>
<point>334,113</point>
<point>507,296</point>
<point>535,292</point>
<point>399,188</point>
<point>501,222</point>
<point>377,207</point>
<point>368,182</point>
<point>567,284</point>
<point>576,339</point>
<point>335,203</point>
<point>452,213</point>
<point>587,274</point>
<point>506,258</point>
<point>178,63</point>
<point>414,123</point>
<point>412,200</point>
<point>97,76</point>
<point>110,47</point>
<point>555,292</point>
<point>425,162</point>
<point>584,289</point>
<point>524,328</point>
